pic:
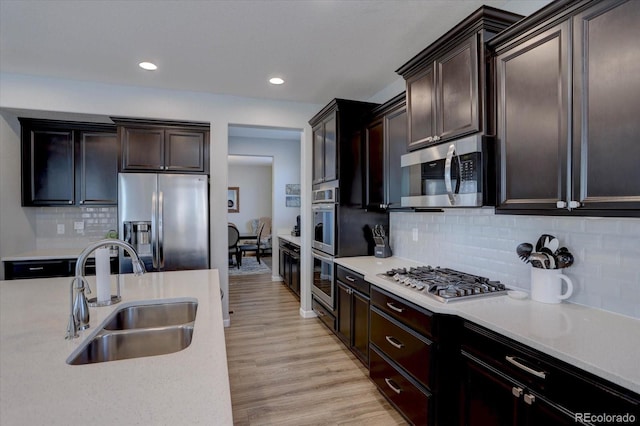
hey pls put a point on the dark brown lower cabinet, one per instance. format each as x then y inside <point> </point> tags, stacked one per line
<point>408,397</point>
<point>353,312</point>
<point>290,266</point>
<point>27,269</point>
<point>505,383</point>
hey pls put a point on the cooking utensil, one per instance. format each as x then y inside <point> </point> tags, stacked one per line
<point>524,250</point>
<point>552,244</point>
<point>552,258</point>
<point>544,240</point>
<point>565,259</point>
<point>538,260</point>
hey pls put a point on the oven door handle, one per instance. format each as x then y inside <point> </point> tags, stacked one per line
<point>322,257</point>
<point>447,174</point>
<point>325,206</point>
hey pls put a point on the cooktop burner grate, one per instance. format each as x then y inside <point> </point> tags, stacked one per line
<point>444,284</point>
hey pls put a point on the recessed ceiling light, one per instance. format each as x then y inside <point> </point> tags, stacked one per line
<point>276,80</point>
<point>148,66</point>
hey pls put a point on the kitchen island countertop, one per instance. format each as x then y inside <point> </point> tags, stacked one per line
<point>49,254</point>
<point>600,342</point>
<point>37,386</point>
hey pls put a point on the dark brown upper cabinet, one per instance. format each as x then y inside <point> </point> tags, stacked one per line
<point>385,143</point>
<point>446,82</point>
<point>68,163</point>
<point>163,146</point>
<point>97,168</point>
<point>337,147</point>
<point>567,127</point>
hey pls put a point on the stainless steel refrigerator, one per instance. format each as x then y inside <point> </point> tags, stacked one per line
<point>166,219</point>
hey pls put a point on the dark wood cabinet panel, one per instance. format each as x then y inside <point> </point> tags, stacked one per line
<point>375,164</point>
<point>360,339</point>
<point>184,151</point>
<point>335,156</point>
<point>318,154</point>
<point>353,312</point>
<point>411,401</point>
<point>565,80</point>
<point>606,104</point>
<point>405,347</point>
<point>330,148</point>
<point>27,269</point>
<point>290,266</point>
<point>447,82</point>
<point>421,101</point>
<point>458,95</point>
<point>97,169</point>
<point>533,135</point>
<point>507,383</point>
<point>142,148</point>
<point>68,163</point>
<point>48,166</point>
<point>159,146</point>
<point>385,142</point>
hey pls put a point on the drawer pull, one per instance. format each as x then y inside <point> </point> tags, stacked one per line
<point>350,279</point>
<point>393,386</point>
<point>517,392</point>
<point>513,360</point>
<point>529,399</point>
<point>391,306</point>
<point>36,268</point>
<point>394,342</point>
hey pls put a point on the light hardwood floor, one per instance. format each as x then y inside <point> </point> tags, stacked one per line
<point>286,370</point>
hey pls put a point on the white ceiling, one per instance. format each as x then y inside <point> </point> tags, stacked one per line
<point>323,49</point>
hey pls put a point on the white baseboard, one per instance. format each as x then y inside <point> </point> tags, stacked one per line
<point>307,314</point>
<point>276,278</point>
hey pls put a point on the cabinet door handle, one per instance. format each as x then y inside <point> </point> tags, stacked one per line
<point>350,279</point>
<point>394,342</point>
<point>513,360</point>
<point>391,306</point>
<point>517,392</point>
<point>36,268</point>
<point>574,204</point>
<point>429,139</point>
<point>393,386</point>
<point>529,399</point>
<point>436,138</point>
<point>561,204</point>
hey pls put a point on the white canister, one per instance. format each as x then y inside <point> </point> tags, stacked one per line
<point>546,285</point>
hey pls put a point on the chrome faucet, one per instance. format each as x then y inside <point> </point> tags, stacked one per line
<point>79,318</point>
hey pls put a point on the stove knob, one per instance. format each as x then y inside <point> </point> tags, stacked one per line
<point>420,287</point>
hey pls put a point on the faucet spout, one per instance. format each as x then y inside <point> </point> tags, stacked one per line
<point>79,318</point>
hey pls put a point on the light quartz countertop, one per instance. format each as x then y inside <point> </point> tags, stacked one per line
<point>50,254</point>
<point>288,237</point>
<point>38,387</point>
<point>600,342</point>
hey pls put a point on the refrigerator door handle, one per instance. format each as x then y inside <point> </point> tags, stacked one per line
<point>161,228</point>
<point>154,231</point>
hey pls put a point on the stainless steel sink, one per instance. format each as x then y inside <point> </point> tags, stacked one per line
<point>146,316</point>
<point>134,344</point>
<point>139,331</point>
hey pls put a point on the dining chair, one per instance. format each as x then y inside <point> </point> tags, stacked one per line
<point>234,249</point>
<point>254,247</point>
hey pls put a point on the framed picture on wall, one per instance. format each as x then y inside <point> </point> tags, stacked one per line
<point>233,199</point>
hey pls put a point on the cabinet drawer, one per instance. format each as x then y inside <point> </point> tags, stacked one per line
<point>568,386</point>
<point>352,279</point>
<point>406,395</point>
<point>324,314</point>
<point>411,315</point>
<point>411,351</point>
<point>36,269</point>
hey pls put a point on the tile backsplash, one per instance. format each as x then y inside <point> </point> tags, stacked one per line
<point>607,250</point>
<point>96,222</point>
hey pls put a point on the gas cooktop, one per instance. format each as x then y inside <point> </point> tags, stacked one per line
<point>444,284</point>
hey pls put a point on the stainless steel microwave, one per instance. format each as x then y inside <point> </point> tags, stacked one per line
<point>452,174</point>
